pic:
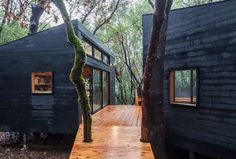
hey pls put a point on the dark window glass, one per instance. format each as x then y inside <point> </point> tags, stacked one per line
<point>183,87</point>
<point>97,90</point>
<point>42,82</point>
<point>105,88</point>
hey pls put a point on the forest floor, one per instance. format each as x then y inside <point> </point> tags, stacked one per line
<point>48,148</point>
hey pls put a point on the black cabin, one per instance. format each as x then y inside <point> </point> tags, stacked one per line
<point>36,94</point>
<point>199,79</point>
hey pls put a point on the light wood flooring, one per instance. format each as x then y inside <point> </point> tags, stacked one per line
<point>116,135</point>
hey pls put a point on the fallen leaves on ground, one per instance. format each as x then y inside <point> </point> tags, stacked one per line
<point>50,148</point>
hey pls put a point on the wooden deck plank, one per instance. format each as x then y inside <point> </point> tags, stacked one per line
<point>116,135</point>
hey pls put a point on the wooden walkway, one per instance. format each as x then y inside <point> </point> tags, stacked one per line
<point>116,135</point>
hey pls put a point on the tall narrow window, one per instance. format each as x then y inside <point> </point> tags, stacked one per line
<point>42,82</point>
<point>105,78</point>
<point>87,48</point>
<point>97,90</point>
<point>105,59</point>
<point>97,54</point>
<point>183,87</point>
<point>88,73</point>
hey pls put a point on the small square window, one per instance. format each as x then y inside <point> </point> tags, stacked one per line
<point>183,87</point>
<point>42,82</point>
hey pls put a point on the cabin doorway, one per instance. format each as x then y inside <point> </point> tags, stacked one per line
<point>97,87</point>
<point>97,90</point>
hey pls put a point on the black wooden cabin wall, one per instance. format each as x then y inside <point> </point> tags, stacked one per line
<point>20,110</point>
<point>202,37</point>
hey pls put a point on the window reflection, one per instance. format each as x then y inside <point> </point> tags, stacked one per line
<point>183,87</point>
<point>87,48</point>
<point>97,54</point>
<point>105,88</point>
<point>97,90</point>
<point>97,87</point>
<point>105,59</point>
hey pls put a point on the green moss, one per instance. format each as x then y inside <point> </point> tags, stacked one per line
<point>76,74</point>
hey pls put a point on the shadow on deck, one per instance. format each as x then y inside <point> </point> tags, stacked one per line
<point>116,135</point>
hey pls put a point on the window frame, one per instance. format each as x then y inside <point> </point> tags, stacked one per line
<point>171,81</point>
<point>52,84</point>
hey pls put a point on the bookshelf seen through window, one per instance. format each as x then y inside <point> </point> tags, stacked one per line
<point>42,82</point>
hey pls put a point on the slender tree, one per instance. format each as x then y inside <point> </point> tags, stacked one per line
<point>155,57</point>
<point>76,75</point>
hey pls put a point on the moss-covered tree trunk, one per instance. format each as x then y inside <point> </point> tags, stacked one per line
<point>76,75</point>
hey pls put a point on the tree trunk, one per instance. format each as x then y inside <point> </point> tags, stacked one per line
<point>37,11</point>
<point>155,57</point>
<point>76,75</point>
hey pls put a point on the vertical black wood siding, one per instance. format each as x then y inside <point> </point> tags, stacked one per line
<point>202,37</point>
<point>21,111</point>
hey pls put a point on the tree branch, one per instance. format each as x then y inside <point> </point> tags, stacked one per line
<point>151,4</point>
<point>107,19</point>
<point>127,61</point>
<point>6,8</point>
<point>88,13</point>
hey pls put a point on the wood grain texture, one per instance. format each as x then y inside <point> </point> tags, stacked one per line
<point>44,51</point>
<point>116,135</point>
<point>201,37</point>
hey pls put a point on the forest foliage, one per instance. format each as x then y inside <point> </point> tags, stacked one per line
<point>117,23</point>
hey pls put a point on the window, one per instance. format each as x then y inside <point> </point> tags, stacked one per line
<point>97,54</point>
<point>42,82</point>
<point>105,59</point>
<point>88,73</point>
<point>87,48</point>
<point>97,90</point>
<point>183,87</point>
<point>105,80</point>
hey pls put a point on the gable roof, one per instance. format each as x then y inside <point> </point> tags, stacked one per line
<point>80,29</point>
<point>221,2</point>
